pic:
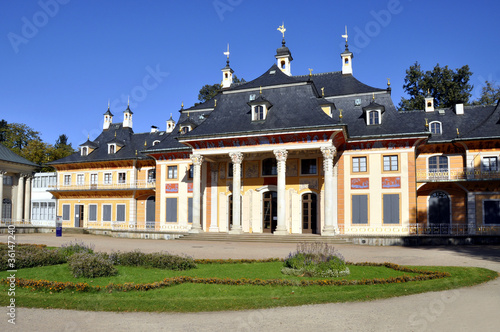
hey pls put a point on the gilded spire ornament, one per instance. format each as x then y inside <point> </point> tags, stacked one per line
<point>282,29</point>
<point>310,72</point>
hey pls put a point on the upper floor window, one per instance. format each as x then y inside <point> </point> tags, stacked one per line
<point>185,129</point>
<point>7,180</point>
<point>152,175</point>
<point>122,177</point>
<point>258,113</point>
<point>108,178</point>
<point>112,149</point>
<point>67,179</point>
<point>308,166</point>
<point>359,164</point>
<point>373,117</point>
<point>490,164</point>
<point>191,171</point>
<point>172,172</point>
<point>390,163</point>
<point>80,179</point>
<point>438,163</point>
<point>84,151</point>
<point>435,127</point>
<point>93,179</point>
<point>269,166</point>
<point>230,169</point>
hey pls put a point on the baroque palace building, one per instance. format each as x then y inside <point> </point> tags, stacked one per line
<point>319,153</point>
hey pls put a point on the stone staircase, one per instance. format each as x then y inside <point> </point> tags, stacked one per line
<point>259,237</point>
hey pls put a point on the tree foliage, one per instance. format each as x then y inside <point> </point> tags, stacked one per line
<point>208,91</point>
<point>447,86</point>
<point>490,94</point>
<point>27,143</point>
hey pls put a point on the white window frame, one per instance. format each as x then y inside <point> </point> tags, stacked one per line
<point>108,178</point>
<point>483,158</point>
<point>368,113</point>
<point>95,213</point>
<point>124,180</point>
<point>110,213</point>
<point>69,213</point>
<point>390,163</point>
<point>175,170</point>
<point>440,126</point>
<point>255,113</point>
<point>124,212</point>
<point>112,148</point>
<point>67,177</point>
<point>80,179</point>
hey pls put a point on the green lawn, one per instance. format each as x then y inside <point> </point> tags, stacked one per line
<point>204,297</point>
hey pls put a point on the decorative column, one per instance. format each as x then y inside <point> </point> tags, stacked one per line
<point>20,194</point>
<point>236,159</point>
<point>214,173</point>
<point>329,154</point>
<point>281,156</point>
<point>1,193</point>
<point>197,161</point>
<point>27,199</point>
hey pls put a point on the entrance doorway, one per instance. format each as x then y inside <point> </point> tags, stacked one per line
<point>78,215</point>
<point>270,212</point>
<point>150,212</point>
<point>439,208</point>
<point>309,214</point>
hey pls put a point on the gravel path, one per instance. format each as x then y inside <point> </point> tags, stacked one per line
<point>465,309</point>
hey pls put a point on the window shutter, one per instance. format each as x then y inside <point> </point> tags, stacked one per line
<point>120,213</point>
<point>171,209</point>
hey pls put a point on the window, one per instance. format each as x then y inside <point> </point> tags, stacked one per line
<point>390,163</point>
<point>391,208</point>
<point>359,209</point>
<point>190,210</point>
<point>52,211</point>
<point>84,151</point>
<point>185,129</point>
<point>438,164</point>
<point>7,180</point>
<point>230,170</point>
<point>52,181</point>
<point>106,212</point>
<point>308,166</point>
<point>258,113</point>
<point>191,171</point>
<point>269,166</point>
<point>373,117</point>
<point>152,175</point>
<point>122,177</point>
<point>111,149</point>
<point>92,212</point>
<point>171,210</point>
<point>108,178</point>
<point>80,179</point>
<point>120,212</point>
<point>67,180</point>
<point>6,209</point>
<point>172,172</point>
<point>156,142</point>
<point>65,214</point>
<point>490,164</point>
<point>491,212</point>
<point>93,180</point>
<point>435,127</point>
<point>358,164</point>
<point>35,211</point>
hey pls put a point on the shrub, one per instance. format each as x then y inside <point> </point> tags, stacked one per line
<point>160,260</point>
<point>315,260</point>
<point>91,265</point>
<point>30,256</point>
<point>69,249</point>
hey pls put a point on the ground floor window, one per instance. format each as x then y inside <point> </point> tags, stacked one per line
<point>172,209</point>
<point>65,214</point>
<point>92,212</point>
<point>360,209</point>
<point>120,212</point>
<point>391,208</point>
<point>6,209</point>
<point>491,212</point>
<point>106,212</point>
<point>43,211</point>
<point>190,210</point>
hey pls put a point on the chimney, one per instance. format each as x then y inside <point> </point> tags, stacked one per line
<point>459,109</point>
<point>154,129</point>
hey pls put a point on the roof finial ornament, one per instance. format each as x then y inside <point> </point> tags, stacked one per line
<point>128,102</point>
<point>373,97</point>
<point>108,103</point>
<point>215,102</point>
<point>227,54</point>
<point>310,72</point>
<point>88,137</point>
<point>182,104</point>
<point>340,114</point>
<point>260,90</point>
<point>115,133</point>
<point>282,29</point>
<point>345,36</point>
<point>145,143</point>
<point>322,91</point>
<point>388,82</point>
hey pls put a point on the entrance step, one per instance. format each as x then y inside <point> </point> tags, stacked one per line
<point>269,238</point>
<point>74,230</point>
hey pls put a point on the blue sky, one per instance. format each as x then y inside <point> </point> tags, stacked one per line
<point>62,60</point>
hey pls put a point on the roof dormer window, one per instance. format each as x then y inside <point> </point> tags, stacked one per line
<point>185,130</point>
<point>156,142</point>
<point>84,151</point>
<point>258,112</point>
<point>111,148</point>
<point>373,117</point>
<point>435,127</point>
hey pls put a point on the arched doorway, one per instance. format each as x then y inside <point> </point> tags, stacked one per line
<point>150,212</point>
<point>439,208</point>
<point>269,211</point>
<point>6,209</point>
<point>309,213</point>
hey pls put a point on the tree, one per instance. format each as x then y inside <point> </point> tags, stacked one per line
<point>18,135</point>
<point>208,91</point>
<point>490,94</point>
<point>61,149</point>
<point>3,128</point>
<point>447,86</point>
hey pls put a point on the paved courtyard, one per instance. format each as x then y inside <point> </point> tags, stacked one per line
<point>466,309</point>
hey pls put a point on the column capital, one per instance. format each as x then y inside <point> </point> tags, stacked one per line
<point>236,157</point>
<point>197,159</point>
<point>329,152</point>
<point>2,172</point>
<point>280,154</point>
